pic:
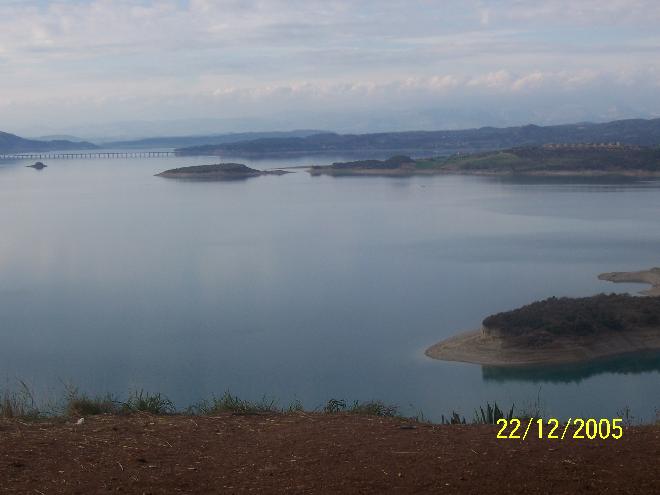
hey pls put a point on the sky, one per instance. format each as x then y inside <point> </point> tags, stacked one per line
<point>120,68</point>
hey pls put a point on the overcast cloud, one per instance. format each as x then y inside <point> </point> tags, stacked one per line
<point>203,65</point>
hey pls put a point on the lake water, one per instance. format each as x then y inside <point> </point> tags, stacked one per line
<point>309,288</point>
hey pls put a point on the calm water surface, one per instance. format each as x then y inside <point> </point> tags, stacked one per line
<point>309,288</point>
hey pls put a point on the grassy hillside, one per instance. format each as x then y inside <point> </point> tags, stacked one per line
<point>556,159</point>
<point>546,160</point>
<point>602,159</point>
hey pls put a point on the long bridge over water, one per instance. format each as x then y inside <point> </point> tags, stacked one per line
<point>88,154</point>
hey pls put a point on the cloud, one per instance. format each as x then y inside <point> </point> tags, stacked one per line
<point>585,12</point>
<point>120,59</point>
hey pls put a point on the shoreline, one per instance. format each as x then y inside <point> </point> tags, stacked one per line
<point>627,174</point>
<point>651,277</point>
<point>492,348</point>
<point>476,348</point>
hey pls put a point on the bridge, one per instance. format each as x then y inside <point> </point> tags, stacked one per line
<point>89,154</point>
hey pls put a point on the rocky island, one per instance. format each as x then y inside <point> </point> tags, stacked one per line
<point>564,330</point>
<point>582,159</point>
<point>219,171</point>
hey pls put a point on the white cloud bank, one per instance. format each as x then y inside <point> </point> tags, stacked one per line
<point>350,65</point>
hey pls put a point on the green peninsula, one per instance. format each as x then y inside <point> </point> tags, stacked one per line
<point>587,159</point>
<point>559,330</point>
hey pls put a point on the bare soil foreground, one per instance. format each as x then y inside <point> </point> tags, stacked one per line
<point>312,453</point>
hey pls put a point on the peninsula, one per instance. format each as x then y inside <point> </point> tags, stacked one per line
<point>397,165</point>
<point>651,277</point>
<point>564,330</point>
<point>585,159</point>
<point>219,171</point>
<point>559,330</point>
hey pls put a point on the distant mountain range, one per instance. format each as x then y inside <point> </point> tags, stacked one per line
<point>9,143</point>
<point>216,139</point>
<point>415,143</point>
<point>633,131</point>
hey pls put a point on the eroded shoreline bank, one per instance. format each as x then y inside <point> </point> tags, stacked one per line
<point>476,348</point>
<point>651,277</point>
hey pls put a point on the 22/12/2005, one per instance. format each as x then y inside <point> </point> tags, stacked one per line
<point>552,429</point>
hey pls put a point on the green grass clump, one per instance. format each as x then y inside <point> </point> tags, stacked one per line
<point>296,406</point>
<point>152,403</point>
<point>491,414</point>
<point>454,419</point>
<point>369,408</point>
<point>19,404</point>
<point>81,405</point>
<point>335,406</point>
<point>234,404</point>
<point>374,408</point>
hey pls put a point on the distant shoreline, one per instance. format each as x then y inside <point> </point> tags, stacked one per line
<point>586,160</point>
<point>628,174</point>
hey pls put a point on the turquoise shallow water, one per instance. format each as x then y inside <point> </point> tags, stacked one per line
<point>308,288</point>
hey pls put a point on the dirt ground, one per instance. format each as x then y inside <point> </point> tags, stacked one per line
<point>312,453</point>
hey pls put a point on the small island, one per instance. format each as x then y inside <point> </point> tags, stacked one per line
<point>219,171</point>
<point>38,166</point>
<point>550,160</point>
<point>559,330</point>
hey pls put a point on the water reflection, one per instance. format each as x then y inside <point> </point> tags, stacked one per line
<point>115,280</point>
<point>615,181</point>
<point>636,363</point>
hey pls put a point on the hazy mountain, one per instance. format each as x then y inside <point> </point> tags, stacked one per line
<point>216,139</point>
<point>57,137</point>
<point>632,131</point>
<point>10,143</point>
<point>101,132</point>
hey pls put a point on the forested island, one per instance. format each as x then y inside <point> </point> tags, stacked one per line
<point>584,159</point>
<point>219,171</point>
<point>560,330</point>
